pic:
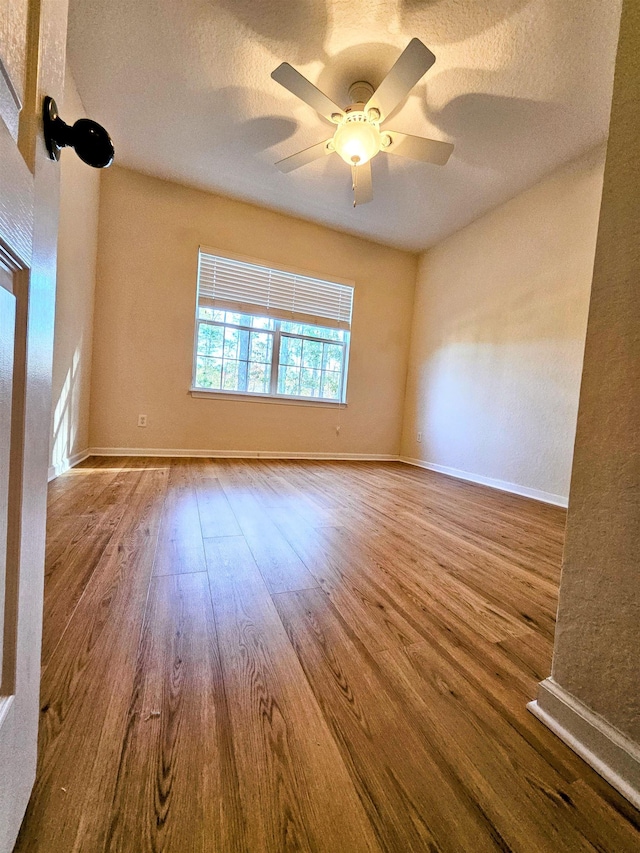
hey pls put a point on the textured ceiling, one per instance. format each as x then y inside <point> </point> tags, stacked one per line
<point>184,87</point>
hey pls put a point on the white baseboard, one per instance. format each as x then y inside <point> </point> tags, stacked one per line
<point>611,754</point>
<point>239,454</point>
<point>501,485</point>
<point>65,464</point>
<point>536,494</point>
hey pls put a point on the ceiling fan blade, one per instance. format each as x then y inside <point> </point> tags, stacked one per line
<point>362,185</point>
<point>302,88</point>
<point>307,155</point>
<point>414,61</point>
<point>418,148</point>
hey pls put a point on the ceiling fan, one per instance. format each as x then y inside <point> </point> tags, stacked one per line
<point>358,137</point>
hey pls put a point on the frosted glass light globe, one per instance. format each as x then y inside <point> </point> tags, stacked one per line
<point>356,139</point>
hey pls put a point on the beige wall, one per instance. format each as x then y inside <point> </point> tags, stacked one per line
<point>77,247</point>
<point>145,296</point>
<point>597,651</point>
<point>498,336</point>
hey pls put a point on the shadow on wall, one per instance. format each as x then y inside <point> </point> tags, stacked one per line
<point>516,318</point>
<point>299,29</point>
<point>471,119</point>
<point>497,378</point>
<point>506,412</point>
<point>259,123</point>
<point>452,20</point>
<point>303,28</point>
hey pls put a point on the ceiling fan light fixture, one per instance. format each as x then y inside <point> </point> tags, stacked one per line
<point>357,139</point>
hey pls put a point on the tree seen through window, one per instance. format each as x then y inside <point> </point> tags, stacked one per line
<point>245,353</point>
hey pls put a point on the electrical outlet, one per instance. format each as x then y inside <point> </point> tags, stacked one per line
<point>419,437</point>
<point>142,420</point>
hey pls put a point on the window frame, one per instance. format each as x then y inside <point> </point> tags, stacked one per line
<point>278,334</point>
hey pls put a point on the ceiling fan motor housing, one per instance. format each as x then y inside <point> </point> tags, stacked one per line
<point>359,94</point>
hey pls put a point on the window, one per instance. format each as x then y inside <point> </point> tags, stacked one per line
<point>267,332</point>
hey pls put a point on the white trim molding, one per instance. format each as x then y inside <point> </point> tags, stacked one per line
<point>611,754</point>
<point>240,454</point>
<point>64,464</point>
<point>501,485</point>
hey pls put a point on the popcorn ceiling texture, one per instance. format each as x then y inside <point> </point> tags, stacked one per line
<point>520,87</point>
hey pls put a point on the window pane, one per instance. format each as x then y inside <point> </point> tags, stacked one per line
<point>230,376</point>
<point>290,350</point>
<point>243,375</point>
<point>262,322</point>
<point>333,334</point>
<point>331,386</point>
<point>259,375</point>
<point>211,314</point>
<point>243,341</point>
<point>312,354</point>
<point>210,339</point>
<point>289,380</point>
<point>310,382</point>
<point>238,357</point>
<point>231,341</point>
<point>333,357</point>
<point>261,343</point>
<point>313,331</point>
<point>208,372</point>
<point>235,318</point>
<point>310,368</point>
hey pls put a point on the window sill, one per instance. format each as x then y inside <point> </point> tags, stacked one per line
<point>232,396</point>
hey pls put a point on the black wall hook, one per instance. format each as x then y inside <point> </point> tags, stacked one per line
<point>90,140</point>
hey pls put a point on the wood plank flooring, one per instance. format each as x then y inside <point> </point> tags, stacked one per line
<point>250,656</point>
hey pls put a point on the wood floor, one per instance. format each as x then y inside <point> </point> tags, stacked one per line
<point>302,656</point>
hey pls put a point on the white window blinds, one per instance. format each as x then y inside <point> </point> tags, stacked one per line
<point>237,285</point>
